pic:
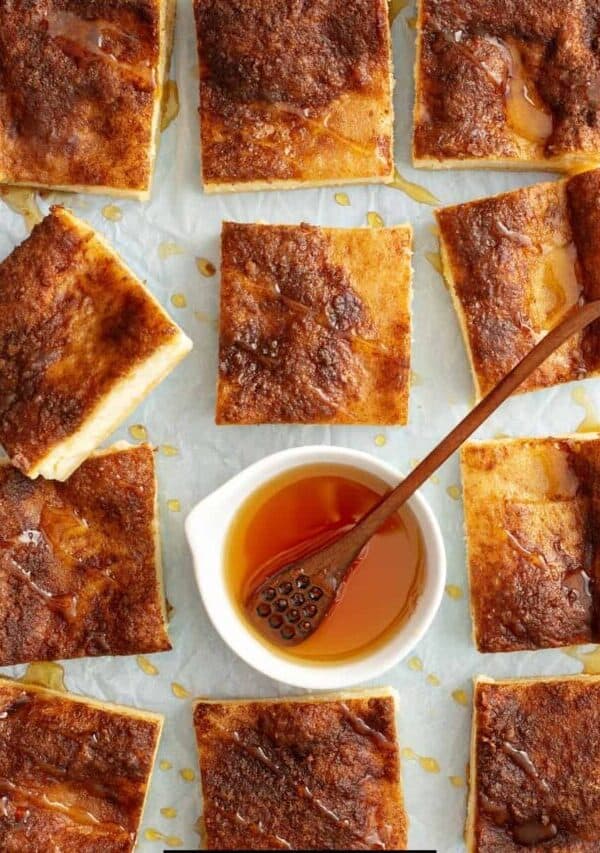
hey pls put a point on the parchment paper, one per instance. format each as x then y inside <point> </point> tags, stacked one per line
<point>180,413</point>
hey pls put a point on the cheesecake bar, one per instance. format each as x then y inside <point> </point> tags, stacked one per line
<point>308,773</point>
<point>535,766</point>
<point>80,561</point>
<point>74,772</point>
<point>294,94</point>
<point>315,325</point>
<point>81,84</point>
<point>82,342</point>
<point>532,508</point>
<point>516,264</point>
<point>507,85</point>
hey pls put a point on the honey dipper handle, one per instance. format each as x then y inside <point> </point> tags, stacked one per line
<point>574,322</point>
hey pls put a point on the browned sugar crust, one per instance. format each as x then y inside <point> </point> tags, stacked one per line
<point>294,91</point>
<point>532,511</point>
<point>78,562</point>
<point>73,776</point>
<point>470,50</point>
<point>315,325</point>
<point>78,83</point>
<point>73,323</point>
<point>316,774</point>
<point>516,264</point>
<point>536,760</point>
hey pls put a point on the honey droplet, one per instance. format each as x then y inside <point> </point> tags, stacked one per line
<point>429,764</point>
<point>416,664</point>
<point>500,435</point>
<point>590,660</point>
<point>414,191</point>
<point>179,691</point>
<point>453,591</point>
<point>138,432</point>
<point>412,23</point>
<point>205,267</point>
<point>396,6</point>
<point>179,300</point>
<point>457,781</point>
<point>146,666</point>
<point>374,219</point>
<point>380,440</point>
<point>170,840</point>
<point>454,492</point>
<point>24,203</point>
<point>169,450</point>
<point>435,259</point>
<point>435,479</point>
<point>112,213</point>
<point>343,199</point>
<point>165,765</point>
<point>174,505</point>
<point>433,680</point>
<point>169,812</point>
<point>460,696</point>
<point>167,250</point>
<point>187,774</point>
<point>434,229</point>
<point>45,674</point>
<point>416,378</point>
<point>202,316</point>
<point>590,422</point>
<point>169,105</point>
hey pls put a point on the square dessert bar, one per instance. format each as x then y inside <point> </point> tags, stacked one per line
<point>532,510</point>
<point>80,562</point>
<point>80,92</point>
<point>82,342</point>
<point>535,766</point>
<point>309,773</point>
<point>294,93</point>
<point>315,325</point>
<point>516,264</point>
<point>74,772</point>
<point>510,84</point>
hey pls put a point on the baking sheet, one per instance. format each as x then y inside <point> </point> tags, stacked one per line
<point>183,224</point>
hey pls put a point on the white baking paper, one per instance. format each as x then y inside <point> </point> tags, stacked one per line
<point>180,413</point>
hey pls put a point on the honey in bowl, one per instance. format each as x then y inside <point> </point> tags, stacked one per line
<point>303,510</point>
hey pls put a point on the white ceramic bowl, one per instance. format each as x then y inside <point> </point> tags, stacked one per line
<point>207,527</point>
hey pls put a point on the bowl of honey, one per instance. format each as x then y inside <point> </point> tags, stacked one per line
<point>290,504</point>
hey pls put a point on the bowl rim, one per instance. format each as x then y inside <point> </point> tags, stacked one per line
<point>224,615</point>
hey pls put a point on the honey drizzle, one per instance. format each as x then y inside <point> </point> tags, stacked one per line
<point>414,191</point>
<point>526,113</point>
<point>169,109</point>
<point>362,728</point>
<point>45,674</point>
<point>23,202</point>
<point>590,660</point>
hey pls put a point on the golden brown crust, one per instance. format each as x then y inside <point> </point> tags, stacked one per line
<point>79,83</point>
<point>315,325</point>
<point>73,323</point>
<point>73,776</point>
<point>531,516</point>
<point>78,562</point>
<point>308,774</point>
<point>294,92</point>
<point>516,263</point>
<point>508,82</point>
<point>536,760</point>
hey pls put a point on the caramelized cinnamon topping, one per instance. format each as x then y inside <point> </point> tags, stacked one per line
<point>283,82</point>
<point>75,326</point>
<point>531,512</point>
<point>508,83</point>
<point>73,775</point>
<point>551,728</point>
<point>267,774</point>
<point>78,564</point>
<point>516,264</point>
<point>315,325</point>
<point>79,89</point>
